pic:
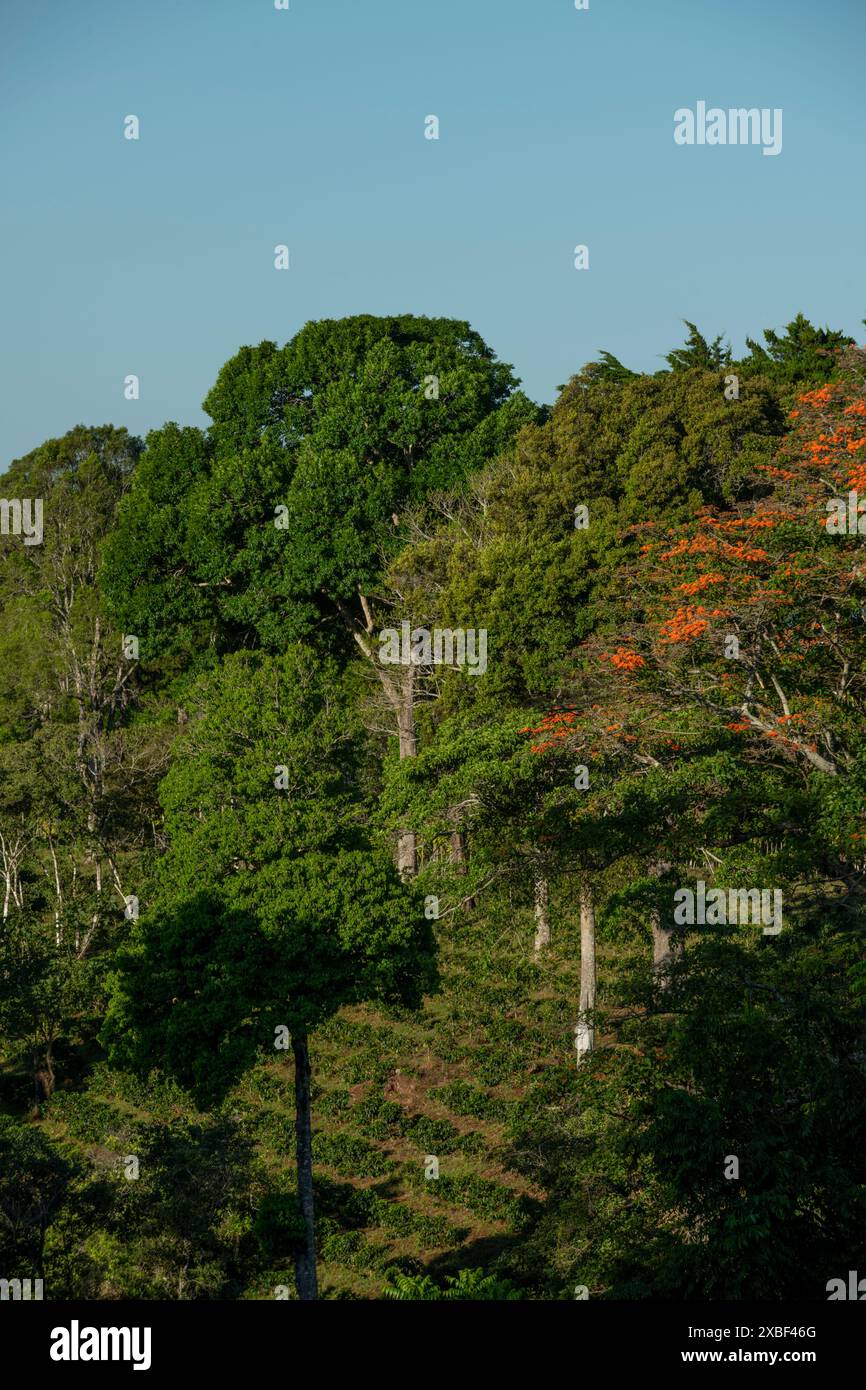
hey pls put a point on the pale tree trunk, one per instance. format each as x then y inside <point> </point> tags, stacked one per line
<point>43,1074</point>
<point>457,842</point>
<point>667,940</point>
<point>662,949</point>
<point>305,1260</point>
<point>584,1033</point>
<point>400,695</point>
<point>542,914</point>
<point>407,848</point>
<point>12,852</point>
<point>58,900</point>
<point>458,854</point>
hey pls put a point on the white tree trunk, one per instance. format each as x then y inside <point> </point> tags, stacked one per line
<point>407,847</point>
<point>667,942</point>
<point>542,915</point>
<point>584,1032</point>
<point>400,694</point>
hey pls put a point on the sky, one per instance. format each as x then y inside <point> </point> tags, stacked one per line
<point>306,127</point>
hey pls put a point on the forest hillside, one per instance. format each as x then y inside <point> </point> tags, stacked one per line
<point>432,838</point>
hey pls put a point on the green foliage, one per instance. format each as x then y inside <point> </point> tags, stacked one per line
<point>342,428</point>
<point>278,1226</point>
<point>802,353</point>
<point>699,353</point>
<point>307,914</point>
<point>465,1099</point>
<point>349,1156</point>
<point>470,1286</point>
<point>241,779</point>
<point>35,1180</point>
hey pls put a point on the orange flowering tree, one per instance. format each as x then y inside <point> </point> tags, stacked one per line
<point>754,613</point>
<point>732,673</point>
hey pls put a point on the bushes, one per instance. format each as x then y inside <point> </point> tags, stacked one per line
<point>470,1285</point>
<point>465,1099</point>
<point>332,1102</point>
<point>377,1117</point>
<point>92,1121</point>
<point>349,1156</point>
<point>491,1201</point>
<point>342,1208</point>
<point>431,1136</point>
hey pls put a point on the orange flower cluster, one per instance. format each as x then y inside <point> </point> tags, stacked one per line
<point>743,552</point>
<point>691,545</point>
<point>785,474</point>
<point>556,724</point>
<point>686,624</point>
<point>624,659</point>
<point>697,585</point>
<point>822,396</point>
<point>830,451</point>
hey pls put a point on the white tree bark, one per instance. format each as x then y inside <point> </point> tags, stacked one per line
<point>667,941</point>
<point>407,846</point>
<point>584,1032</point>
<point>542,914</point>
<point>399,691</point>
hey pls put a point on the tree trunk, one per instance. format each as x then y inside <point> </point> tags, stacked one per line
<point>668,947</point>
<point>400,695</point>
<point>305,1260</point>
<point>667,940</point>
<point>542,915</point>
<point>458,855</point>
<point>456,841</point>
<point>43,1075</point>
<point>662,954</point>
<point>407,849</point>
<point>584,1033</point>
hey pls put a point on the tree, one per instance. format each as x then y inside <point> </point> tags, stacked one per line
<point>74,779</point>
<point>341,428</point>
<point>802,353</point>
<point>274,527</point>
<point>757,1058</point>
<point>508,556</point>
<point>699,353</point>
<point>271,908</point>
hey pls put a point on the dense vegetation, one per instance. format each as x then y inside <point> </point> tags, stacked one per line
<point>324,973</point>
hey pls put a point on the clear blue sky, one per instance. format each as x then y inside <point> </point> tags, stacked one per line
<point>307,127</point>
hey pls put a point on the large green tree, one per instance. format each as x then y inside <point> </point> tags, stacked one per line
<point>277,523</point>
<point>271,908</point>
